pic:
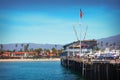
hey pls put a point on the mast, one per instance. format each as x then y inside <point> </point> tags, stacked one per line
<point>80,42</point>
<point>81,14</point>
<point>85,33</point>
<point>75,33</point>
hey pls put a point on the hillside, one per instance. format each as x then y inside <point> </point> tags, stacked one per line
<point>110,40</point>
<point>31,45</point>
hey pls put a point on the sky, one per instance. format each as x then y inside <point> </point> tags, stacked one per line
<point>52,21</point>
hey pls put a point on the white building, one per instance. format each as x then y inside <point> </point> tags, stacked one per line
<point>73,49</point>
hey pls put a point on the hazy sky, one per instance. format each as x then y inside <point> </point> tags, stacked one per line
<point>51,21</point>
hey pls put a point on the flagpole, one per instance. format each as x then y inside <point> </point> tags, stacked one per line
<point>80,29</point>
<point>81,14</point>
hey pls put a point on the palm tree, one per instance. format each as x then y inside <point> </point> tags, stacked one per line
<point>1,48</point>
<point>110,46</point>
<point>101,44</point>
<point>114,44</point>
<point>20,49</point>
<point>98,43</point>
<point>54,51</point>
<point>106,44</point>
<point>16,47</point>
<point>47,50</point>
<point>26,47</point>
<point>56,46</point>
<point>39,50</point>
<point>59,51</point>
<point>31,49</point>
<point>22,46</point>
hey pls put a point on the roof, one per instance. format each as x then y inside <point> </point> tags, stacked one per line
<point>78,43</point>
<point>18,53</point>
<point>6,54</point>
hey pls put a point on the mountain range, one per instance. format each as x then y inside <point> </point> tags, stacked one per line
<point>31,46</point>
<point>110,40</point>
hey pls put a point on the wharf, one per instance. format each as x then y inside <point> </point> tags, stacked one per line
<point>93,69</point>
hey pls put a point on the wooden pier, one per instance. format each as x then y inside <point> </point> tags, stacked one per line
<point>95,69</point>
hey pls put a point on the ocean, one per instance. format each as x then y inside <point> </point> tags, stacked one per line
<point>45,70</point>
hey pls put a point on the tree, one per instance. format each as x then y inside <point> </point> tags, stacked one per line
<point>47,50</point>
<point>16,47</point>
<point>54,51</point>
<point>98,43</point>
<point>110,46</point>
<point>21,50</point>
<point>59,51</point>
<point>97,49</point>
<point>22,46</point>
<point>39,50</point>
<point>14,50</point>
<point>31,49</point>
<point>8,50</point>
<point>26,47</point>
<point>114,44</point>
<point>101,44</point>
<point>106,44</point>
<point>56,46</point>
<point>1,49</point>
<point>44,51</point>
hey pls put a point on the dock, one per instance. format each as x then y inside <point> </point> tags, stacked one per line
<point>93,69</point>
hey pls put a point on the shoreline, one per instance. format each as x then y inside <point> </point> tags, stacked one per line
<point>29,60</point>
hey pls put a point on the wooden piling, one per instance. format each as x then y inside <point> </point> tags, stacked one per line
<point>95,70</point>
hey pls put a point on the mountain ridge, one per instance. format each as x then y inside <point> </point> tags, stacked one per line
<point>110,40</point>
<point>12,46</point>
<point>31,46</point>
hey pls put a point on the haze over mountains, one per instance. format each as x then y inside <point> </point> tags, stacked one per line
<point>110,40</point>
<point>31,46</point>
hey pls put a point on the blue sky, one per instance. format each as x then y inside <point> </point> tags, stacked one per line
<point>51,21</point>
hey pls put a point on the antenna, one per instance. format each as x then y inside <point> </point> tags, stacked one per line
<point>85,33</point>
<point>75,32</point>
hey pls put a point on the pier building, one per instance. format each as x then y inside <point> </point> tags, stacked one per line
<point>93,69</point>
<point>73,49</point>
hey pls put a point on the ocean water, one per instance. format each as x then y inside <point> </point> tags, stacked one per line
<point>36,71</point>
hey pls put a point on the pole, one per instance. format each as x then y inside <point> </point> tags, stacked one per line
<point>75,32</point>
<point>85,33</point>
<point>81,14</point>
<point>81,52</point>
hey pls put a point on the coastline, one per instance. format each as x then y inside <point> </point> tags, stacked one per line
<point>29,60</point>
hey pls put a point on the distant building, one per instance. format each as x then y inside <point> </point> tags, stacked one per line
<point>18,54</point>
<point>73,49</point>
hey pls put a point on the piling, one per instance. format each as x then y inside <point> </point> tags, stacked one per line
<point>94,70</point>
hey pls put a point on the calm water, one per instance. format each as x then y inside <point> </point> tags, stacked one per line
<point>35,71</point>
